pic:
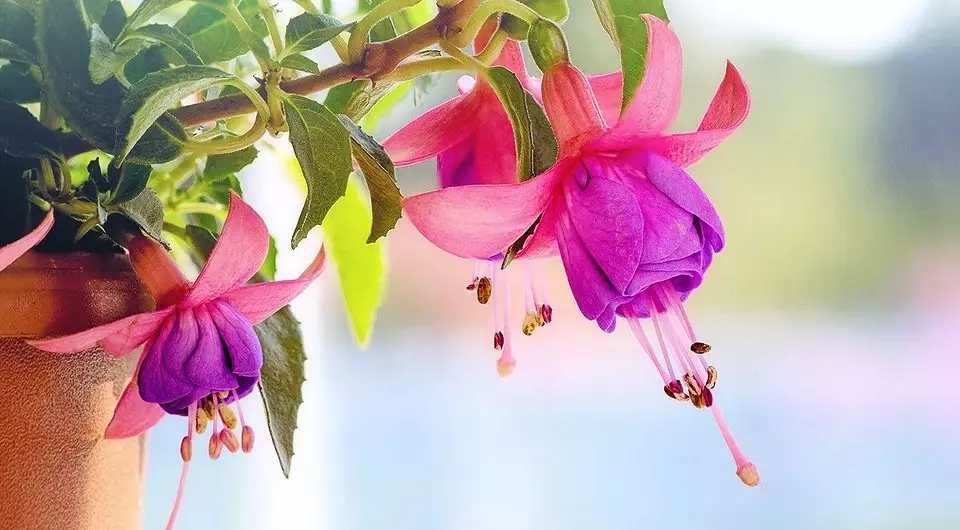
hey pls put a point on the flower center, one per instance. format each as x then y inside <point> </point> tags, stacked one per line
<point>674,333</point>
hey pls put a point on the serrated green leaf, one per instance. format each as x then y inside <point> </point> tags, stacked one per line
<point>146,62</point>
<point>22,135</point>
<point>214,36</point>
<point>105,61</point>
<point>12,52</point>
<point>360,266</point>
<point>64,50</point>
<point>378,171</point>
<point>145,11</point>
<point>298,61</point>
<point>171,37</point>
<point>150,98</point>
<point>132,181</point>
<point>281,380</point>
<point>309,31</point>
<point>621,20</point>
<point>536,143</point>
<point>356,98</point>
<point>146,210</point>
<point>269,268</point>
<point>322,147</point>
<point>18,86</point>
<point>220,166</point>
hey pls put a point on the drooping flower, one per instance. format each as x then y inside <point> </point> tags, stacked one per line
<point>200,352</point>
<point>10,253</point>
<point>634,231</point>
<point>472,139</point>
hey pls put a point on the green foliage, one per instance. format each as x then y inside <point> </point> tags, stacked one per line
<point>145,11</point>
<point>555,10</point>
<point>377,168</point>
<point>220,166</point>
<point>150,98</point>
<point>621,20</point>
<point>536,143</point>
<point>322,147</point>
<point>360,266</point>
<point>298,61</point>
<point>214,36</point>
<point>309,31</point>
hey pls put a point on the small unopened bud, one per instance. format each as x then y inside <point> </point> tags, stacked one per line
<point>484,290</point>
<point>529,323</point>
<point>498,340</point>
<point>228,416</point>
<point>546,313</point>
<point>186,449</point>
<point>749,474</point>
<point>547,44</point>
<point>229,439</point>
<point>700,348</point>
<point>215,447</point>
<point>505,367</point>
<point>246,439</point>
<point>201,422</point>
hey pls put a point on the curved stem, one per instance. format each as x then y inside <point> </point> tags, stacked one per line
<point>253,40</point>
<point>487,9</point>
<point>415,69</point>
<point>361,32</point>
<point>493,48</point>
<point>267,11</point>
<point>340,46</point>
<point>468,61</point>
<point>222,146</point>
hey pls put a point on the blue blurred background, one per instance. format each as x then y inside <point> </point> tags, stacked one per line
<point>834,315</point>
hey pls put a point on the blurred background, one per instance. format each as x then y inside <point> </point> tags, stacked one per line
<point>834,315</point>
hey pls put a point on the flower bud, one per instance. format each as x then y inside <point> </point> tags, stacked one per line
<point>555,10</point>
<point>547,44</point>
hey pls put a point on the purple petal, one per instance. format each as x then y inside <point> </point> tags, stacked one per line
<point>457,165</point>
<point>156,385</point>
<point>208,366</point>
<point>241,343</point>
<point>180,406</point>
<point>180,344</point>
<point>610,223</point>
<point>590,286</point>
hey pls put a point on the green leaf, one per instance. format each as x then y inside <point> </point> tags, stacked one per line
<point>356,98</point>
<point>105,61</point>
<point>309,31</point>
<point>214,36</point>
<point>95,9</point>
<point>219,166</point>
<point>536,143</point>
<point>171,37</point>
<point>281,380</point>
<point>133,180</point>
<point>360,266</point>
<point>322,147</point>
<point>114,19</point>
<point>146,209</point>
<point>298,61</point>
<point>64,50</point>
<point>12,52</point>
<point>150,98</point>
<point>22,135</point>
<point>145,11</point>
<point>18,86</point>
<point>152,59</point>
<point>377,168</point>
<point>17,25</point>
<point>621,20</point>
<point>269,268</point>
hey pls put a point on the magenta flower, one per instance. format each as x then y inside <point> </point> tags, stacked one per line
<point>633,229</point>
<point>200,351</point>
<point>472,140</point>
<point>10,253</point>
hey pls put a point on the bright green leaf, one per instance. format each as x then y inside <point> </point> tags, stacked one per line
<point>171,37</point>
<point>356,98</point>
<point>145,11</point>
<point>105,61</point>
<point>298,61</point>
<point>322,147</point>
<point>536,143</point>
<point>360,266</point>
<point>309,31</point>
<point>154,94</point>
<point>146,209</point>
<point>219,166</point>
<point>214,36</point>
<point>377,168</point>
<point>621,20</point>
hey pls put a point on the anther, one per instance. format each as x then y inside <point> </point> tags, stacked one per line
<point>228,416</point>
<point>484,290</point>
<point>229,440</point>
<point>498,340</point>
<point>749,474</point>
<point>679,396</point>
<point>473,286</point>
<point>697,400</point>
<point>693,386</point>
<point>215,447</point>
<point>208,408</point>
<point>186,449</point>
<point>546,313</point>
<point>202,422</point>
<point>700,348</point>
<point>223,394</point>
<point>246,439</point>
<point>530,323</point>
<point>711,377</point>
<point>707,397</point>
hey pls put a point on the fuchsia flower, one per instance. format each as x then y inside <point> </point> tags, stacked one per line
<point>634,231</point>
<point>200,351</point>
<point>472,140</point>
<point>10,253</point>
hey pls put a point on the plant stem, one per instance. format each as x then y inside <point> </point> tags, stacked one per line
<point>415,69</point>
<point>230,145</point>
<point>253,40</point>
<point>267,11</point>
<point>466,60</point>
<point>487,9</point>
<point>361,32</point>
<point>493,48</point>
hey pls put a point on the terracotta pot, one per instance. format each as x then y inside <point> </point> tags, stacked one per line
<point>56,470</point>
